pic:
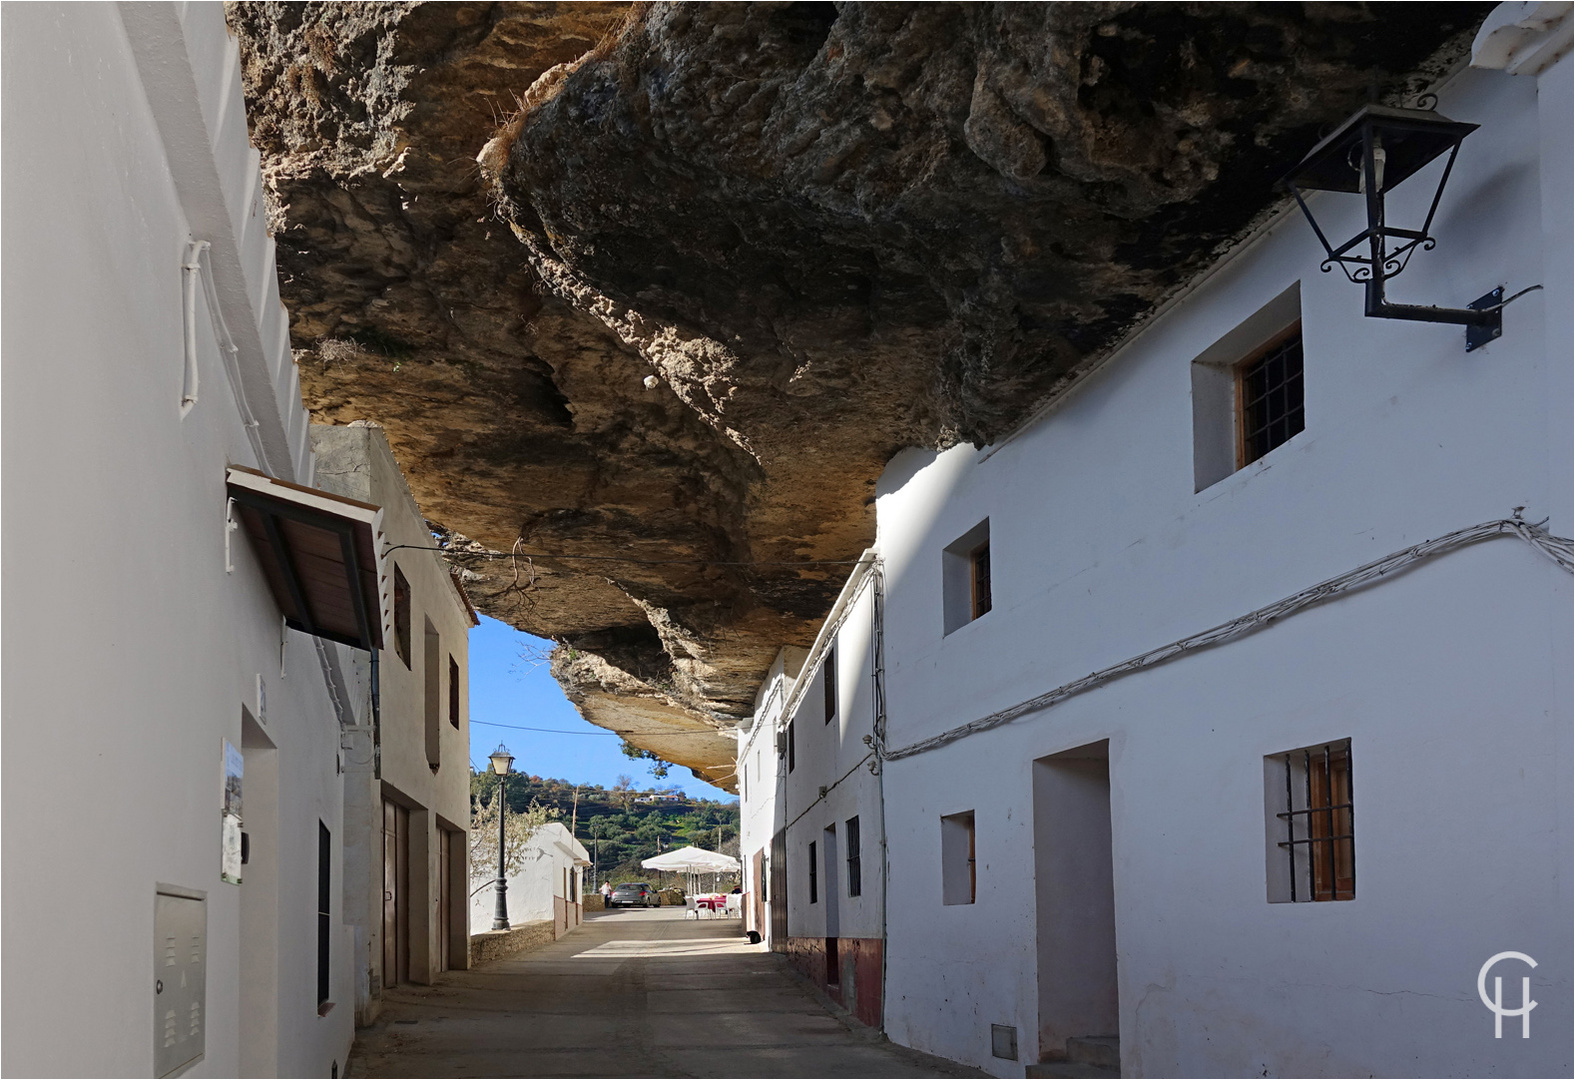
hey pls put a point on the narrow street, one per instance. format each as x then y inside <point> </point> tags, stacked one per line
<point>631,993</point>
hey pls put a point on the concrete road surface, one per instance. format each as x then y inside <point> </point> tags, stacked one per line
<point>630,993</point>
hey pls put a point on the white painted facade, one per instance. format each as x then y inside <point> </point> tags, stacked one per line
<point>1452,679</point>
<point>137,370</point>
<point>549,885</point>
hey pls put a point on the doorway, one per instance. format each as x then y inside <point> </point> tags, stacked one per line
<point>828,847</point>
<point>1075,898</point>
<point>396,894</point>
<point>259,902</point>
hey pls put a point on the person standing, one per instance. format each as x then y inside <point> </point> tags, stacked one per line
<point>606,892</point>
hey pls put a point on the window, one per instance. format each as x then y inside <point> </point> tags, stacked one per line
<point>829,670</point>
<point>432,668</point>
<point>1312,841</point>
<point>402,616</point>
<point>453,693</point>
<point>1247,391</point>
<point>792,754</point>
<point>965,578</point>
<point>959,882</point>
<point>814,875</point>
<point>325,864</point>
<point>855,880</point>
<point>1269,393</point>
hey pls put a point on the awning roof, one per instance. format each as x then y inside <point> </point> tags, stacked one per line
<point>319,554</point>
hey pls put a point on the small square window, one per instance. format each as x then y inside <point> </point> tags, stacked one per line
<point>1247,395</point>
<point>1311,824</point>
<point>965,578</point>
<point>959,880</point>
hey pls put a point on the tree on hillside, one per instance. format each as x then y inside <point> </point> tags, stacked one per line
<point>518,828</point>
<point>623,791</point>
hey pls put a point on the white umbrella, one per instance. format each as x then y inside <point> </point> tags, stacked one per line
<point>692,860</point>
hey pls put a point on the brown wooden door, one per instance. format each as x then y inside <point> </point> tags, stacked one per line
<point>444,914</point>
<point>396,891</point>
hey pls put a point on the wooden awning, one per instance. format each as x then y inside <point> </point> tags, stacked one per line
<point>319,554</point>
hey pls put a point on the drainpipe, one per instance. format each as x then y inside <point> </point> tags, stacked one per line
<point>377,718</point>
<point>878,674</point>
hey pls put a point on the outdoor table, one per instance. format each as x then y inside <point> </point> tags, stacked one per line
<point>711,903</point>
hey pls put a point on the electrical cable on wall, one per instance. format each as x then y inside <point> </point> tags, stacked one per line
<point>1558,549</point>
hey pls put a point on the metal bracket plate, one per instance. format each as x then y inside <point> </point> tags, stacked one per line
<point>1479,334</point>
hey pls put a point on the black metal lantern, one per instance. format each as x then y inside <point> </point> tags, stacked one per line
<point>1371,154</point>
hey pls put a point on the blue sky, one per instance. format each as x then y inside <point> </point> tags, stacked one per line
<point>506,689</point>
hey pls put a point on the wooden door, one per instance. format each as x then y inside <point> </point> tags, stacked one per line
<point>444,912</point>
<point>396,891</point>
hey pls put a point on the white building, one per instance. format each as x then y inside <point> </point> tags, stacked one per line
<point>549,885</point>
<point>182,696</point>
<point>407,776</point>
<point>1079,862</point>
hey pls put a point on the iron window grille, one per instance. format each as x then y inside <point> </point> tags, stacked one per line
<point>814,875</point>
<point>1269,388</point>
<point>855,879</point>
<point>1318,823</point>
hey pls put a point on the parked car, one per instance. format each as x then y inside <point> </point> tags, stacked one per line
<point>634,894</point>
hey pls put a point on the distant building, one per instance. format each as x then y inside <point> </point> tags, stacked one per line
<point>1290,852</point>
<point>407,771</point>
<point>550,885</point>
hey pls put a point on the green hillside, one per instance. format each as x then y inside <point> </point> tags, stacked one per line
<point>623,824</point>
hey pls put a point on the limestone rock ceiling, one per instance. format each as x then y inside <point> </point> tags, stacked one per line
<point>828,230</point>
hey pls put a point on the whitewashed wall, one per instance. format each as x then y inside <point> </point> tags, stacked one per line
<point>551,852</point>
<point>1408,437</point>
<point>834,756</point>
<point>129,651</point>
<point>1452,680</point>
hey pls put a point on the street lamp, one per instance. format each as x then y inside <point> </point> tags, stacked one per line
<point>501,760</point>
<point>1369,155</point>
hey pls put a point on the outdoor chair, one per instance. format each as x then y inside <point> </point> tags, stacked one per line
<point>691,911</point>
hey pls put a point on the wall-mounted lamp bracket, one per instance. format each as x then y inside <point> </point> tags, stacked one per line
<point>1479,334</point>
<point>1369,155</point>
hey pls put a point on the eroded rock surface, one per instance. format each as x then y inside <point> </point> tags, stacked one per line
<point>827,230</point>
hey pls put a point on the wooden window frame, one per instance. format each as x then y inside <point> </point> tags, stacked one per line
<point>1316,824</point>
<point>980,598</point>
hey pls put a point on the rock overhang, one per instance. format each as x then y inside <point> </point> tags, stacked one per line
<point>828,231</point>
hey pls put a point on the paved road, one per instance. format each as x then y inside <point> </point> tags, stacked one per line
<point>631,993</point>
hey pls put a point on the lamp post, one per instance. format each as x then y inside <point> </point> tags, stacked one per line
<point>501,760</point>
